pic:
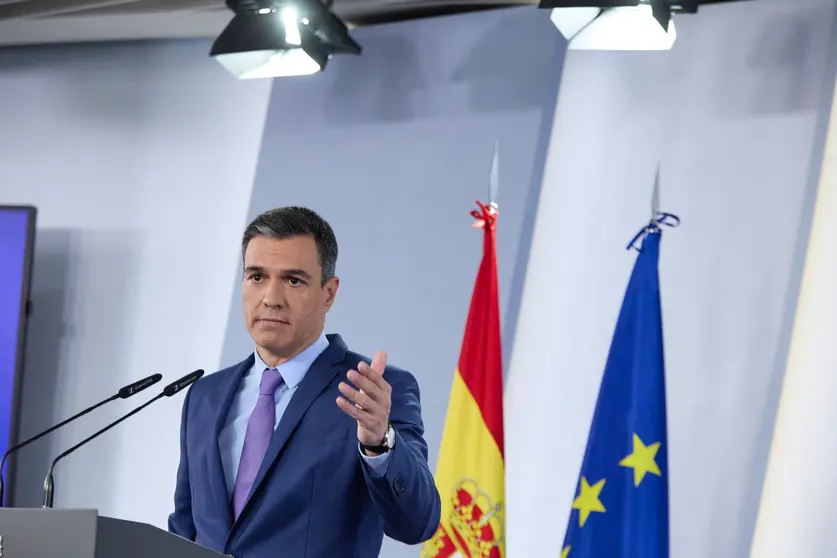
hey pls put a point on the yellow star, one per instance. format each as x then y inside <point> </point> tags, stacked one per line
<point>588,500</point>
<point>642,460</point>
<point>566,552</point>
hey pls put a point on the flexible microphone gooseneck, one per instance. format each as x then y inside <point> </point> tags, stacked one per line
<point>123,393</point>
<point>170,390</point>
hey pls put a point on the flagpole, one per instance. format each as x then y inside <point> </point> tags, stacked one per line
<point>621,506</point>
<point>470,471</point>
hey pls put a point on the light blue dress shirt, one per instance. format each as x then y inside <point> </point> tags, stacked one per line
<point>231,439</point>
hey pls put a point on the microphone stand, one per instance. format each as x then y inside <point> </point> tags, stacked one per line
<point>13,449</point>
<point>49,482</point>
<point>170,390</point>
<point>123,393</point>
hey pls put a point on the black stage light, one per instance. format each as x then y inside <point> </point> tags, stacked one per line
<point>279,39</point>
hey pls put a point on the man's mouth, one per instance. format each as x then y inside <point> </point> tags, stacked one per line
<point>272,321</point>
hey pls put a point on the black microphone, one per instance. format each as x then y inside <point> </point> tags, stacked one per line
<point>171,389</point>
<point>123,393</point>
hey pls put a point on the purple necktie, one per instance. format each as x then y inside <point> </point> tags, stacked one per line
<point>259,431</point>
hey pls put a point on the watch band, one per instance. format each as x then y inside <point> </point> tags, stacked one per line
<point>381,448</point>
<point>375,449</point>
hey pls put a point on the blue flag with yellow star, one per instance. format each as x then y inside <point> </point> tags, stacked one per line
<point>620,509</point>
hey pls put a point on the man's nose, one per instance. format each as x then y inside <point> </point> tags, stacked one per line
<point>274,295</point>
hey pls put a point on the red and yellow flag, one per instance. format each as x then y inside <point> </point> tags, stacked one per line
<point>470,470</point>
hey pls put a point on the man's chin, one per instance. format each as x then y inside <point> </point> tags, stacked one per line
<point>272,338</point>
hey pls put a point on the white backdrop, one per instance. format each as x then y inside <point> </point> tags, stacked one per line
<point>796,515</point>
<point>731,113</point>
<point>140,158</point>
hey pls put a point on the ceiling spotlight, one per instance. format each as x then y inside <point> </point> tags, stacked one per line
<point>614,24</point>
<point>620,24</point>
<point>269,39</point>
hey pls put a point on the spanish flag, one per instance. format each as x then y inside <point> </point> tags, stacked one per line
<point>470,469</point>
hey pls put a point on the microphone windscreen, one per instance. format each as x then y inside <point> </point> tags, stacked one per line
<point>182,383</point>
<point>138,386</point>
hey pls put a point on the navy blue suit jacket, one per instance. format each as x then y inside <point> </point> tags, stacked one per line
<point>313,496</point>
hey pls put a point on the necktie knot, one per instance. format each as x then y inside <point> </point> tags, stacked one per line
<point>271,380</point>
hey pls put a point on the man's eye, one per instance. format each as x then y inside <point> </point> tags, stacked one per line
<point>295,281</point>
<point>256,277</point>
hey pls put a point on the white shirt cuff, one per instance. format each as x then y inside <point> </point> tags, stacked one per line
<point>378,464</point>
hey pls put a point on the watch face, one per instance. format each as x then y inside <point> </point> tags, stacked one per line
<point>390,439</point>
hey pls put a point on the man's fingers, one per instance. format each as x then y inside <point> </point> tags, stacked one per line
<point>368,385</point>
<point>349,408</point>
<point>359,398</point>
<point>374,374</point>
<point>379,362</point>
<point>370,399</point>
<point>362,416</point>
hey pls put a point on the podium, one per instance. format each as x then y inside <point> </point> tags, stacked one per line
<point>59,533</point>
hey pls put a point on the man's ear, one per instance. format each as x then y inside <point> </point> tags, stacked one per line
<point>330,288</point>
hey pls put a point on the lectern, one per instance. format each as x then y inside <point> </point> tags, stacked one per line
<point>59,533</point>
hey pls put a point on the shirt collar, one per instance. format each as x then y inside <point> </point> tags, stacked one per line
<point>294,370</point>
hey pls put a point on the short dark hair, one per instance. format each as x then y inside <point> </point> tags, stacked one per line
<point>287,222</point>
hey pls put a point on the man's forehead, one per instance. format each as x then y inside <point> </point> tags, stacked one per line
<point>273,252</point>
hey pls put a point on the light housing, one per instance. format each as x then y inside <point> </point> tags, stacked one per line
<point>616,24</point>
<point>280,39</point>
<point>621,24</point>
<point>623,28</point>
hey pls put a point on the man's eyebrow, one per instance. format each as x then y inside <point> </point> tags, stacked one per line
<point>297,273</point>
<point>286,272</point>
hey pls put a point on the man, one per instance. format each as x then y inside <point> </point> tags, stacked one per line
<point>304,449</point>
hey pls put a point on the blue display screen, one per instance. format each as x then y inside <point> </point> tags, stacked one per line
<point>16,230</point>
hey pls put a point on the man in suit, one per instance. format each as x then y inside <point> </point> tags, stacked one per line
<point>303,449</point>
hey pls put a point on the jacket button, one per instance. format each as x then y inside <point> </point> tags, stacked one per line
<point>398,486</point>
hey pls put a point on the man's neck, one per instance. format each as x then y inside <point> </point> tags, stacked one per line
<point>273,360</point>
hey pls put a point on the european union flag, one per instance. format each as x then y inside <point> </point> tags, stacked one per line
<point>621,505</point>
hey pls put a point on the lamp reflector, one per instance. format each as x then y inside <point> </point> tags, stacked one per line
<point>268,45</point>
<point>622,28</point>
<point>269,63</point>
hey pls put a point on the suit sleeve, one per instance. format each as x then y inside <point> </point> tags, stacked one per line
<point>406,496</point>
<point>180,521</point>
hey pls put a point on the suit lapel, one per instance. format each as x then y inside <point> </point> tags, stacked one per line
<point>318,377</point>
<point>217,477</point>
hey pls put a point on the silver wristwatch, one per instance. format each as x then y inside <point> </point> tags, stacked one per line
<point>386,444</point>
